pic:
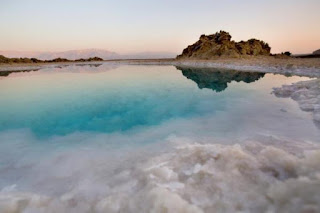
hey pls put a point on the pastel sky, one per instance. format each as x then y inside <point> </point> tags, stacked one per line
<point>127,26</point>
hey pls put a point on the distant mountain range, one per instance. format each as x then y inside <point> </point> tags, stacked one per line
<point>86,53</point>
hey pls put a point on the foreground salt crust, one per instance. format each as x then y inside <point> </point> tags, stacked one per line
<point>306,93</point>
<point>194,178</point>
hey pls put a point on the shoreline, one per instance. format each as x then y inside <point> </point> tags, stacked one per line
<point>292,66</point>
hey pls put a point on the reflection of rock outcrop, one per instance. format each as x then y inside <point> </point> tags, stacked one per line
<point>90,65</point>
<point>90,68</point>
<point>216,79</point>
<point>7,73</point>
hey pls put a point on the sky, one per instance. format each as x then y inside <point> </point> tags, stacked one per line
<point>128,26</point>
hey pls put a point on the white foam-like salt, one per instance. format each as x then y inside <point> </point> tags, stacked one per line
<point>306,93</point>
<point>253,177</point>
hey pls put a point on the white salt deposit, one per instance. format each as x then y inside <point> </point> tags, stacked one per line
<point>194,178</point>
<point>306,93</point>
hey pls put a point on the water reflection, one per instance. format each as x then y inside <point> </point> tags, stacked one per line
<point>217,79</point>
<point>7,73</point>
<point>75,99</point>
<point>70,67</point>
<point>90,65</point>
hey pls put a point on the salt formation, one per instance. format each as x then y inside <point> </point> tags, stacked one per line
<point>306,93</point>
<point>196,178</point>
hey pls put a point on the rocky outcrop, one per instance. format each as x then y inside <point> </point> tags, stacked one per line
<point>317,52</point>
<point>220,44</point>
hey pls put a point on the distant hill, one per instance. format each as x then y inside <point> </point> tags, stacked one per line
<point>6,60</point>
<point>71,54</point>
<point>149,55</point>
<point>76,54</point>
<point>85,53</point>
<point>317,52</point>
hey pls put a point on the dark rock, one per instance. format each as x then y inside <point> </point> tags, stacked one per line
<point>35,60</point>
<point>317,52</point>
<point>4,60</point>
<point>220,44</point>
<point>283,55</point>
<point>287,53</point>
<point>89,59</point>
<point>58,60</point>
<point>80,60</point>
<point>95,59</point>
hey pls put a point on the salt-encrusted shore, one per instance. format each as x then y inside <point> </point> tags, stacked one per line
<point>306,93</point>
<point>289,66</point>
<point>192,178</point>
<point>301,67</point>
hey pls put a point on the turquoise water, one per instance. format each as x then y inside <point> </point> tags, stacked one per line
<point>53,103</point>
<point>75,127</point>
<point>101,99</point>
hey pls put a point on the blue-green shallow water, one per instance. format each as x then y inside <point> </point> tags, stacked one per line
<point>55,103</point>
<point>104,99</point>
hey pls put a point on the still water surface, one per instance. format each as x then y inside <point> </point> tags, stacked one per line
<point>72,133</point>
